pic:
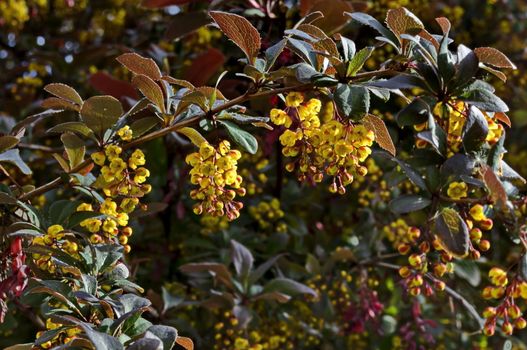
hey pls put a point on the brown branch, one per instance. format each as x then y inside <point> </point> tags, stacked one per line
<point>162,132</point>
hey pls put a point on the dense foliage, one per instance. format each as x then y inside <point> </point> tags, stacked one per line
<point>262,174</point>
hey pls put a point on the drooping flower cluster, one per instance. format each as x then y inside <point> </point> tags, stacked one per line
<point>64,334</point>
<point>335,148</point>
<point>214,170</point>
<point>55,237</point>
<point>507,311</point>
<point>122,180</point>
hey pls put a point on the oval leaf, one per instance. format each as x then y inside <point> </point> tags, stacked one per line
<point>101,112</point>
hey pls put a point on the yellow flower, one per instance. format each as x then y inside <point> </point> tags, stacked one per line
<point>98,158</point>
<point>113,151</point>
<point>477,212</point>
<point>109,207</point>
<point>85,207</point>
<point>125,133</point>
<point>140,175</point>
<point>206,150</point>
<point>289,138</point>
<point>136,159</point>
<point>457,190</point>
<point>110,226</point>
<point>92,225</point>
<point>280,117</point>
<point>128,204</point>
<point>294,99</point>
<point>54,230</point>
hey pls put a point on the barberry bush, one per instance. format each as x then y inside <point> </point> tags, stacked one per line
<point>262,175</point>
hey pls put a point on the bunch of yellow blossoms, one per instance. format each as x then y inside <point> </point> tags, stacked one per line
<point>122,179</point>
<point>64,336</point>
<point>55,237</point>
<point>452,117</point>
<point>508,311</point>
<point>268,215</point>
<point>214,170</point>
<point>335,148</point>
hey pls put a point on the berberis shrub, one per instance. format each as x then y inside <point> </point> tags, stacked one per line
<point>333,183</point>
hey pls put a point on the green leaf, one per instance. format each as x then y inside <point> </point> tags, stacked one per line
<point>475,130</point>
<point>168,335</point>
<point>7,142</point>
<point>242,259</point>
<point>408,203</point>
<point>485,100</point>
<point>356,63</point>
<point>101,341</point>
<point>12,156</point>
<point>101,113</point>
<point>241,137</point>
<point>416,112</point>
<point>452,232</point>
<point>75,127</point>
<point>469,271</point>
<point>59,211</point>
<point>368,20</point>
<point>287,286</point>
<point>401,81</point>
<point>353,101</point>
<point>75,148</point>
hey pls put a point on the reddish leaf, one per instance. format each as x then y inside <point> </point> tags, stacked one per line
<point>185,23</point>
<point>240,31</point>
<point>108,85</point>
<point>64,92</point>
<point>140,65</point>
<point>382,136</point>
<point>494,57</point>
<point>504,118</point>
<point>204,67</point>
<point>58,103</point>
<point>150,90</point>
<point>185,342</point>
<point>444,23</point>
<point>497,191</point>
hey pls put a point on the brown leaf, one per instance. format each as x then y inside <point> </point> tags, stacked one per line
<point>426,35</point>
<point>504,118</point>
<point>382,136</point>
<point>185,342</point>
<point>150,90</point>
<point>240,31</point>
<point>64,92</point>
<point>494,57</point>
<point>101,113</point>
<point>204,66</point>
<point>140,65</point>
<point>497,191</point>
<point>109,85</point>
<point>444,23</point>
<point>401,21</point>
<point>58,103</point>
<point>178,82</point>
<point>495,72</point>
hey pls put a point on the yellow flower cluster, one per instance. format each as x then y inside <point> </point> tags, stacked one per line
<point>55,237</point>
<point>64,336</point>
<point>214,170</point>
<point>112,224</point>
<point>13,13</point>
<point>122,180</point>
<point>268,214</point>
<point>508,310</point>
<point>210,224</point>
<point>334,148</point>
<point>400,234</point>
